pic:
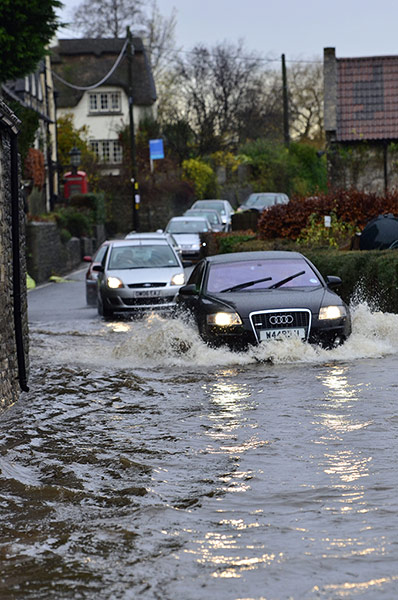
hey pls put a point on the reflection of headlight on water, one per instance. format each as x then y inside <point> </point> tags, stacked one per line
<point>332,312</point>
<point>224,319</point>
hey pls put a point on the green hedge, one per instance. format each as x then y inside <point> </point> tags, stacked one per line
<point>368,276</point>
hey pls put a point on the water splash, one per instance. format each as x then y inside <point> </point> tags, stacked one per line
<point>176,342</point>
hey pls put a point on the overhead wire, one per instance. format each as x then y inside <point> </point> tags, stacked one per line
<point>95,85</point>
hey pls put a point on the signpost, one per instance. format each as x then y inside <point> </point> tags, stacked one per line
<point>156,151</point>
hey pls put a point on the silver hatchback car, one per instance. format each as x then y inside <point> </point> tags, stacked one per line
<point>138,276</point>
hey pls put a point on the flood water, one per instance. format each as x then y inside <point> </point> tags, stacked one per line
<point>144,465</point>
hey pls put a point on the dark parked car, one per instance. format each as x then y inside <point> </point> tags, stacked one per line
<point>250,297</point>
<point>262,201</point>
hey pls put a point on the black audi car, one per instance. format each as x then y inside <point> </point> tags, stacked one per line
<point>250,297</point>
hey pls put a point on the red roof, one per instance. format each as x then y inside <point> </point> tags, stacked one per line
<point>367,98</point>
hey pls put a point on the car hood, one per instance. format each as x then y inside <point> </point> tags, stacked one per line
<point>136,276</point>
<point>245,302</point>
<point>187,238</point>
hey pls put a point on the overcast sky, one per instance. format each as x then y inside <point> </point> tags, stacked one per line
<point>298,28</point>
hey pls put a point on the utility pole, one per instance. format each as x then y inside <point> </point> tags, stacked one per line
<point>286,135</point>
<point>136,193</point>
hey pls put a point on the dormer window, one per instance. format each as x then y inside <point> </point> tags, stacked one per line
<point>104,102</point>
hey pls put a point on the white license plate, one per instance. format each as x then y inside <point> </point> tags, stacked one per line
<point>146,294</point>
<point>276,334</point>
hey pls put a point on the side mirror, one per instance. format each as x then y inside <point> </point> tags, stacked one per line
<point>187,263</point>
<point>188,290</point>
<point>333,281</point>
<point>98,268</point>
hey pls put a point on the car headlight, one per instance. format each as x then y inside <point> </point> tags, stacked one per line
<point>114,282</point>
<point>224,319</point>
<point>332,312</point>
<point>178,279</point>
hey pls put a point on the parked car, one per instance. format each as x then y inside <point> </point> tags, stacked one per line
<point>211,215</point>
<point>246,298</point>
<point>138,276</point>
<point>262,201</point>
<point>223,207</point>
<point>92,275</point>
<point>186,230</point>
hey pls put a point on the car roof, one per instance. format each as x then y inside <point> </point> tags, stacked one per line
<point>211,200</point>
<point>243,256</point>
<point>139,242</point>
<point>188,218</point>
<point>133,235</point>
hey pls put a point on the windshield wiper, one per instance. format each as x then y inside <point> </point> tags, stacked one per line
<point>241,286</point>
<point>282,281</point>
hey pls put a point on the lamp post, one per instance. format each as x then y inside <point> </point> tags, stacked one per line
<point>75,156</point>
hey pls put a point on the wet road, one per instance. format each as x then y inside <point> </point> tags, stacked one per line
<point>143,464</point>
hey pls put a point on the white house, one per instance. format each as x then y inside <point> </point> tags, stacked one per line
<point>103,109</point>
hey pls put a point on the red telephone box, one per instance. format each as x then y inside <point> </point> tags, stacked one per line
<point>75,183</point>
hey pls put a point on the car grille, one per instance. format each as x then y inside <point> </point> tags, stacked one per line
<point>281,319</point>
<point>147,285</point>
<point>148,301</point>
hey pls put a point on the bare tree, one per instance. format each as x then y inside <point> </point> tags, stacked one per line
<point>158,33</point>
<point>305,81</point>
<point>107,18</point>
<point>216,87</point>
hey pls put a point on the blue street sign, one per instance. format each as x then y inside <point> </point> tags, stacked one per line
<point>156,149</point>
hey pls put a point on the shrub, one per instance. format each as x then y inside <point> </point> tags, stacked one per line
<point>316,235</point>
<point>350,206</point>
<point>294,170</point>
<point>201,176</point>
<point>76,222</point>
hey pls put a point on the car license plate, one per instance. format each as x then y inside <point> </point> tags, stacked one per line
<point>146,294</point>
<point>277,334</point>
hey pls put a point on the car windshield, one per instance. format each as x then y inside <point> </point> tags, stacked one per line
<point>261,274</point>
<point>211,216</point>
<point>216,205</point>
<point>187,226</point>
<point>142,256</point>
<point>261,200</point>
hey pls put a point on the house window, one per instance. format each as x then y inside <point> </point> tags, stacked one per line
<point>104,102</point>
<point>115,101</point>
<point>95,148</point>
<point>93,102</point>
<point>107,151</point>
<point>117,152</point>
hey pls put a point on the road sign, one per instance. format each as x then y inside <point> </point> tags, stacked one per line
<point>156,150</point>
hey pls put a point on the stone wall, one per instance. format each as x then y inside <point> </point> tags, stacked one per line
<point>47,255</point>
<point>11,363</point>
<point>365,166</point>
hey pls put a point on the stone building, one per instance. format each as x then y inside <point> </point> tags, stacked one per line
<point>361,121</point>
<point>13,299</point>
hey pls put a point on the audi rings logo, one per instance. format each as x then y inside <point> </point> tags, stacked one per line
<point>281,319</point>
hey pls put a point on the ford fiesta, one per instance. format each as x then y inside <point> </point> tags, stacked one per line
<point>138,276</point>
<point>250,297</point>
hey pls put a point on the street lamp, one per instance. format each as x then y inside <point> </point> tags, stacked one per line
<point>75,156</point>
